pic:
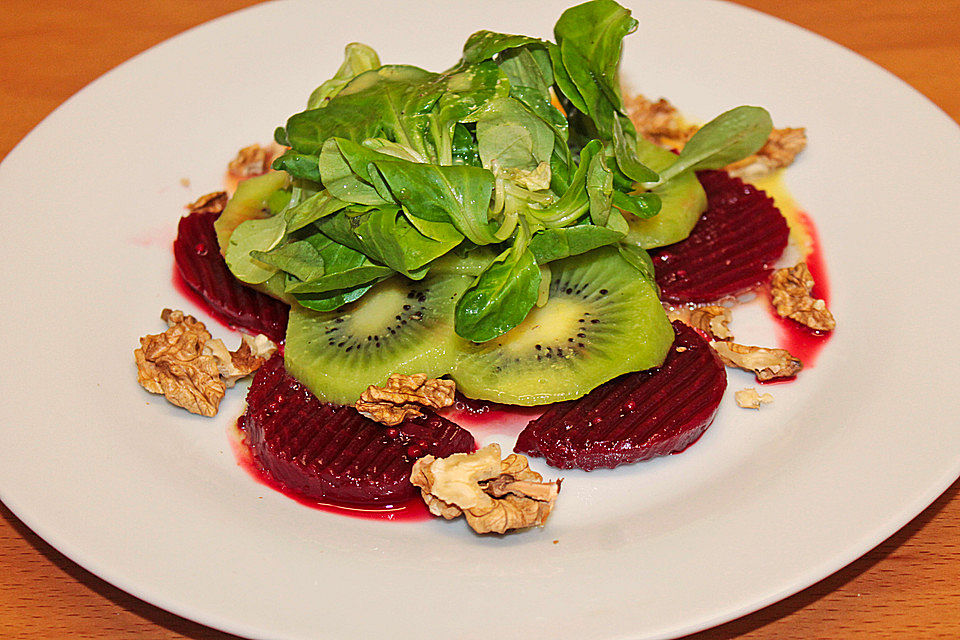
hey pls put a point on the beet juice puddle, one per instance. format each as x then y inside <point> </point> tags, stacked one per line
<point>330,458</point>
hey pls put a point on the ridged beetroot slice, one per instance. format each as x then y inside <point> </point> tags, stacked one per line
<point>636,416</point>
<point>199,262</point>
<point>330,452</point>
<point>731,249</point>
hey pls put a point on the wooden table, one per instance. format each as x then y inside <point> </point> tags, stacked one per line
<point>908,587</point>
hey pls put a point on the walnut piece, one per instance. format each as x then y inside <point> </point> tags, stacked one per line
<point>250,161</point>
<point>402,397</point>
<point>790,292</point>
<point>767,364</point>
<point>455,480</point>
<point>210,203</point>
<point>749,398</point>
<point>185,363</point>
<point>659,122</point>
<point>494,495</point>
<point>711,320</point>
<point>778,152</point>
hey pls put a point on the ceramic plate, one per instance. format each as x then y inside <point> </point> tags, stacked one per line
<point>768,502</point>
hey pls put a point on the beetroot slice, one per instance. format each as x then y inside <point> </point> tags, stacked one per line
<point>330,452</point>
<point>731,249</point>
<point>636,416</point>
<point>198,259</point>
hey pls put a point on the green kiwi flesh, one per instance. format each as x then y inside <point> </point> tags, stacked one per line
<point>603,319</point>
<point>399,326</point>
<point>250,201</point>
<point>255,198</point>
<point>682,201</point>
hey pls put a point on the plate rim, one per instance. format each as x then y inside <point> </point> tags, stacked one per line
<point>867,542</point>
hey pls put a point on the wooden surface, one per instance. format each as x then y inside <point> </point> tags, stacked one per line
<point>908,587</point>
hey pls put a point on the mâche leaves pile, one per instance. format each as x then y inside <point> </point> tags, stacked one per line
<point>517,156</point>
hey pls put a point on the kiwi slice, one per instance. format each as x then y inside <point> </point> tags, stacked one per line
<point>251,201</point>
<point>603,319</point>
<point>399,326</point>
<point>682,201</point>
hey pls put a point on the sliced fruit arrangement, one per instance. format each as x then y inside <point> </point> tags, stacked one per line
<point>602,319</point>
<point>596,300</point>
<point>732,248</point>
<point>634,417</point>
<point>203,269</point>
<point>331,453</point>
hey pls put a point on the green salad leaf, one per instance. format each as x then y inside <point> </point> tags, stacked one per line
<point>357,58</point>
<point>732,135</point>
<point>501,297</point>
<point>548,245</point>
<point>252,237</point>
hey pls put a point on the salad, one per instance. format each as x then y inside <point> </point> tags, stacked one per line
<point>499,232</point>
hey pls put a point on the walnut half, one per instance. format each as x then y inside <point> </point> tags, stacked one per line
<point>190,368</point>
<point>209,203</point>
<point>790,292</point>
<point>659,122</point>
<point>402,397</point>
<point>494,495</point>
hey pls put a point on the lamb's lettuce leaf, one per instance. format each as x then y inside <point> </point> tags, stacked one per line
<point>732,135</point>
<point>357,58</point>
<point>252,236</point>
<point>554,244</point>
<point>509,135</point>
<point>332,300</point>
<point>483,45</point>
<point>501,297</point>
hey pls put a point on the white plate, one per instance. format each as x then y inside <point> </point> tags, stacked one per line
<point>768,502</point>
